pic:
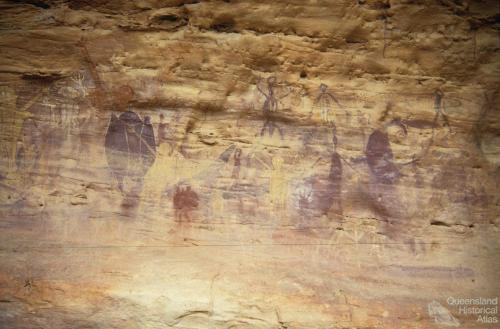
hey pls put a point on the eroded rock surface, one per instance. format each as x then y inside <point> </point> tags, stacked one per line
<point>248,164</point>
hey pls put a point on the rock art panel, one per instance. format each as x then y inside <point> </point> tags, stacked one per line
<point>253,164</point>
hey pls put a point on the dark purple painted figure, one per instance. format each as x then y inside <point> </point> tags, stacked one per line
<point>334,186</point>
<point>328,194</point>
<point>380,158</point>
<point>385,173</point>
<point>147,146</point>
<point>270,107</point>
<point>130,148</point>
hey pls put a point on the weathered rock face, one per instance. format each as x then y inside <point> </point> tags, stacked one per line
<point>248,164</point>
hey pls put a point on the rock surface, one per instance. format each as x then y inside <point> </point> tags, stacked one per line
<point>248,164</point>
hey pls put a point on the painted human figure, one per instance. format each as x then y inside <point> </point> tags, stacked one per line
<point>278,180</point>
<point>185,200</point>
<point>379,154</point>
<point>80,82</point>
<point>177,202</point>
<point>8,99</point>
<point>380,158</point>
<point>270,106</point>
<point>20,154</point>
<point>237,164</point>
<point>28,149</point>
<point>85,123</point>
<point>162,130</point>
<point>271,103</point>
<point>130,148</point>
<point>439,108</point>
<point>334,185</point>
<point>147,146</point>
<point>278,185</point>
<point>168,167</point>
<point>304,199</point>
<point>324,102</point>
<point>385,17</point>
<point>385,173</point>
<point>52,110</point>
<point>328,195</point>
<point>14,115</point>
<point>69,109</point>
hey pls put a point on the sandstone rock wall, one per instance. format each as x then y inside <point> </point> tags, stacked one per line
<point>248,164</point>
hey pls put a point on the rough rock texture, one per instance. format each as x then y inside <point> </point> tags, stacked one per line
<point>248,163</point>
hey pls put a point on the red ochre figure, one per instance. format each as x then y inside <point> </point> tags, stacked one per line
<point>185,200</point>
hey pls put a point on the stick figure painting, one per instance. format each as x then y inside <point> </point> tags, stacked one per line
<point>271,105</point>
<point>324,102</point>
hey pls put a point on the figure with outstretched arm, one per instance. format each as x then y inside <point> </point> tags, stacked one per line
<point>270,106</point>
<point>324,102</point>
